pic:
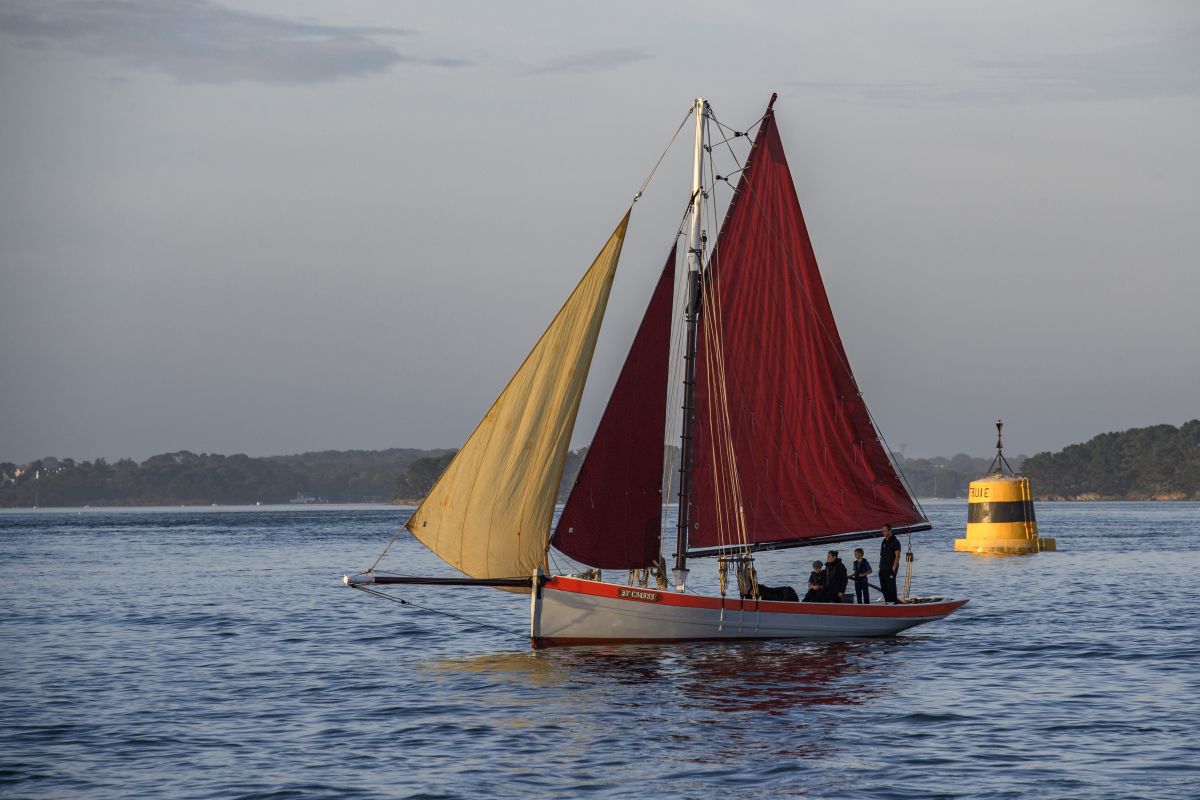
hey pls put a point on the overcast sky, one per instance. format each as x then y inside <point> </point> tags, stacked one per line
<point>271,227</point>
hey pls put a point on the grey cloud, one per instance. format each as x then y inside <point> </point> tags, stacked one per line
<point>590,61</point>
<point>1165,67</point>
<point>199,41</point>
<point>902,92</point>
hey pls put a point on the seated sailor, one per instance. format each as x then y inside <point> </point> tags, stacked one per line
<point>835,579</point>
<point>816,583</point>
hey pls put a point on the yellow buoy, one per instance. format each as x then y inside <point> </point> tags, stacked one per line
<point>1000,515</point>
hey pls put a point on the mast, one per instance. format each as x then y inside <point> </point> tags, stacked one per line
<point>692,315</point>
<point>1000,462</point>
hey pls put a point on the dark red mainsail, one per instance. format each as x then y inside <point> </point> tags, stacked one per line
<point>804,449</point>
<point>612,518</point>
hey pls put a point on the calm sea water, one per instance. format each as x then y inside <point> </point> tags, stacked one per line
<point>215,654</point>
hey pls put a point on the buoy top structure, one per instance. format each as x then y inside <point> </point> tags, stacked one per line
<point>1000,516</point>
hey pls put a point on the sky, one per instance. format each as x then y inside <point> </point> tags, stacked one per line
<point>273,227</point>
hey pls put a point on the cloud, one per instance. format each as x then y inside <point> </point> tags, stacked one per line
<point>898,91</point>
<point>1165,67</point>
<point>199,41</point>
<point>589,61</point>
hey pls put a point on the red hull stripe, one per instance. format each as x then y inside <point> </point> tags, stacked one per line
<point>561,641</point>
<point>903,611</point>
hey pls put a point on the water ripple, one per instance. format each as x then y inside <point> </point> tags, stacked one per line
<point>212,654</point>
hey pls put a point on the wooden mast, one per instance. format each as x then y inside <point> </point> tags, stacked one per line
<point>695,256</point>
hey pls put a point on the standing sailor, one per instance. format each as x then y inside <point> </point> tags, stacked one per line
<point>862,568</point>
<point>889,564</point>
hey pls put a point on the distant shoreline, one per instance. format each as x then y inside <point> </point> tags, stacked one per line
<point>1160,463</point>
<point>411,504</point>
<point>211,506</point>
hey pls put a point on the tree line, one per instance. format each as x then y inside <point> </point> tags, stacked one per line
<point>946,477</point>
<point>1159,462</point>
<point>187,478</point>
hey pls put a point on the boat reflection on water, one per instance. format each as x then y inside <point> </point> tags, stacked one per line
<point>783,701</point>
<point>518,669</point>
<point>771,677</point>
<point>768,677</point>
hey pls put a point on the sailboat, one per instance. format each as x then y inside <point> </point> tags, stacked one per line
<point>776,447</point>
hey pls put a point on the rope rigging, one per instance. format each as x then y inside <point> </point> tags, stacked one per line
<point>730,494</point>
<point>375,564</point>
<point>469,621</point>
<point>908,569</point>
<point>667,149</point>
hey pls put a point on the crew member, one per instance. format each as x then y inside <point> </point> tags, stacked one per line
<point>862,568</point>
<point>889,564</point>
<point>835,578</point>
<point>816,584</point>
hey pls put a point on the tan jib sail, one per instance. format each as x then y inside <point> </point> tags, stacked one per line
<point>489,514</point>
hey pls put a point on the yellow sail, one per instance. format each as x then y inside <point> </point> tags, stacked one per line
<point>489,514</point>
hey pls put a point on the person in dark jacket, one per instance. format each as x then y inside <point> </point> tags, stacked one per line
<point>835,578</point>
<point>889,564</point>
<point>862,568</point>
<point>816,584</point>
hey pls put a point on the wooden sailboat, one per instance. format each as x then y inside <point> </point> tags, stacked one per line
<point>777,448</point>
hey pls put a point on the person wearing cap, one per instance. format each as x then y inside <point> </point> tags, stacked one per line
<point>816,583</point>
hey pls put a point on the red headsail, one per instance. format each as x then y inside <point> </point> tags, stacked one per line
<point>612,518</point>
<point>791,425</point>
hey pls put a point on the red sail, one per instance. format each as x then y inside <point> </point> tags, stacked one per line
<point>790,429</point>
<point>612,518</point>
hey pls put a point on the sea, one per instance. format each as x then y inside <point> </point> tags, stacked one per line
<point>215,653</point>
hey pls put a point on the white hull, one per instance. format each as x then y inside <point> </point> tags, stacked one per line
<point>573,611</point>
